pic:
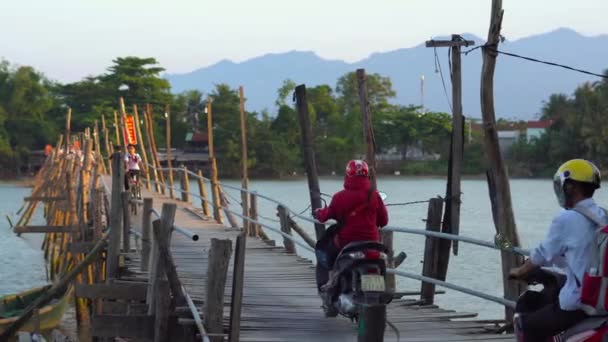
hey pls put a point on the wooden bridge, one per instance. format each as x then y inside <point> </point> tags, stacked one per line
<point>175,272</point>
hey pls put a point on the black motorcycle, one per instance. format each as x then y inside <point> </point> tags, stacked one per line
<point>591,329</point>
<point>357,279</point>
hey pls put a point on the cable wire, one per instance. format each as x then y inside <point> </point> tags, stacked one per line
<point>445,91</point>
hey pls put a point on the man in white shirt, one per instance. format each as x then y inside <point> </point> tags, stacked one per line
<point>132,164</point>
<point>569,244</point>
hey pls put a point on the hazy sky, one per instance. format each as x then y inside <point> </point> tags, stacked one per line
<point>69,39</point>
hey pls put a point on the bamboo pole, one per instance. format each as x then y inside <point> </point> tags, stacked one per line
<point>215,191</point>
<point>244,172</point>
<point>168,154</point>
<point>68,122</point>
<point>143,146</point>
<point>116,128</point>
<point>106,138</point>
<point>155,150</point>
<point>153,155</point>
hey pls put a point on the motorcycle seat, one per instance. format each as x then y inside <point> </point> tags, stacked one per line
<point>362,245</point>
<point>587,324</point>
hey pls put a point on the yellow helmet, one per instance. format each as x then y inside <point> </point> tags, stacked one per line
<point>579,170</point>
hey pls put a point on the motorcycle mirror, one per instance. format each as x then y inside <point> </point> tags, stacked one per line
<point>383,195</point>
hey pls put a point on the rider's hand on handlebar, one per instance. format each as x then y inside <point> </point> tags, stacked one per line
<point>514,273</point>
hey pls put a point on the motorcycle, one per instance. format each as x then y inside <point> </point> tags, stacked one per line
<point>357,279</point>
<point>592,329</point>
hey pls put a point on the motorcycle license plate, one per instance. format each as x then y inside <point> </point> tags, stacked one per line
<point>372,282</point>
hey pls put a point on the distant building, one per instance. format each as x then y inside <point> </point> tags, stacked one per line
<point>535,129</point>
<point>196,142</point>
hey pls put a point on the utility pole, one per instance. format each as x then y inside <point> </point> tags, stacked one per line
<point>451,218</point>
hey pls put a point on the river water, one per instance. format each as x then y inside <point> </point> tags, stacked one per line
<point>475,267</point>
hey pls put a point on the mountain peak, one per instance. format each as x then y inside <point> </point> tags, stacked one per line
<point>520,86</point>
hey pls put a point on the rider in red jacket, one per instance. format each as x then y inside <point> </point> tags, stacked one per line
<point>360,211</point>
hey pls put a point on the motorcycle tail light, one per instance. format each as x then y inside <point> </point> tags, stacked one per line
<point>373,254</point>
<point>357,255</point>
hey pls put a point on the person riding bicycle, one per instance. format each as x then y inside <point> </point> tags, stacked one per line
<point>359,211</point>
<point>568,245</point>
<point>132,163</point>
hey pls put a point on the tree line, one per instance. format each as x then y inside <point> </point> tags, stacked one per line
<point>33,112</point>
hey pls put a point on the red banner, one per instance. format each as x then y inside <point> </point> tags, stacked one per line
<point>129,135</point>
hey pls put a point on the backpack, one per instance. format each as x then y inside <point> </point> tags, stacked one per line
<point>594,287</point>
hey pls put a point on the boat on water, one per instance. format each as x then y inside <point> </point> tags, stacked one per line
<point>50,315</point>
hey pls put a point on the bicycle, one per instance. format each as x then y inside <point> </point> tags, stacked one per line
<point>135,190</point>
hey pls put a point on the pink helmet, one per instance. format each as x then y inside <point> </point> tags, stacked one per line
<point>357,167</point>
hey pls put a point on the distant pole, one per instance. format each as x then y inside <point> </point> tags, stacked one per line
<point>68,121</point>
<point>168,154</point>
<point>504,219</point>
<point>451,218</point>
<point>309,155</point>
<point>245,180</point>
<point>422,94</point>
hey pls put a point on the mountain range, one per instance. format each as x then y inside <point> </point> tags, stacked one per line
<point>520,87</point>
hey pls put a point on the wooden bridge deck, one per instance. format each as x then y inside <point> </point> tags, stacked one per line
<point>280,302</point>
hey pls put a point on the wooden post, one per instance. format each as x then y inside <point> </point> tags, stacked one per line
<point>244,174</point>
<point>238,281</point>
<point>161,311</point>
<point>203,192</point>
<point>143,146</point>
<point>368,134</point>
<point>286,228</point>
<point>185,185</point>
<point>168,154</point>
<point>253,213</point>
<point>126,221</point>
<point>431,250</point>
<point>217,272</point>
<point>294,225</point>
<point>118,172</point>
<point>146,227</point>
<point>215,191</point>
<point>226,207</point>
<point>505,222</point>
<point>309,155</point>
<point>166,221</point>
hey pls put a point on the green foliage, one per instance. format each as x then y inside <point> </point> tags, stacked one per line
<point>579,130</point>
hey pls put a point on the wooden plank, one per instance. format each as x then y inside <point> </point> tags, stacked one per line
<point>135,291</point>
<point>131,326</point>
<point>45,229</point>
